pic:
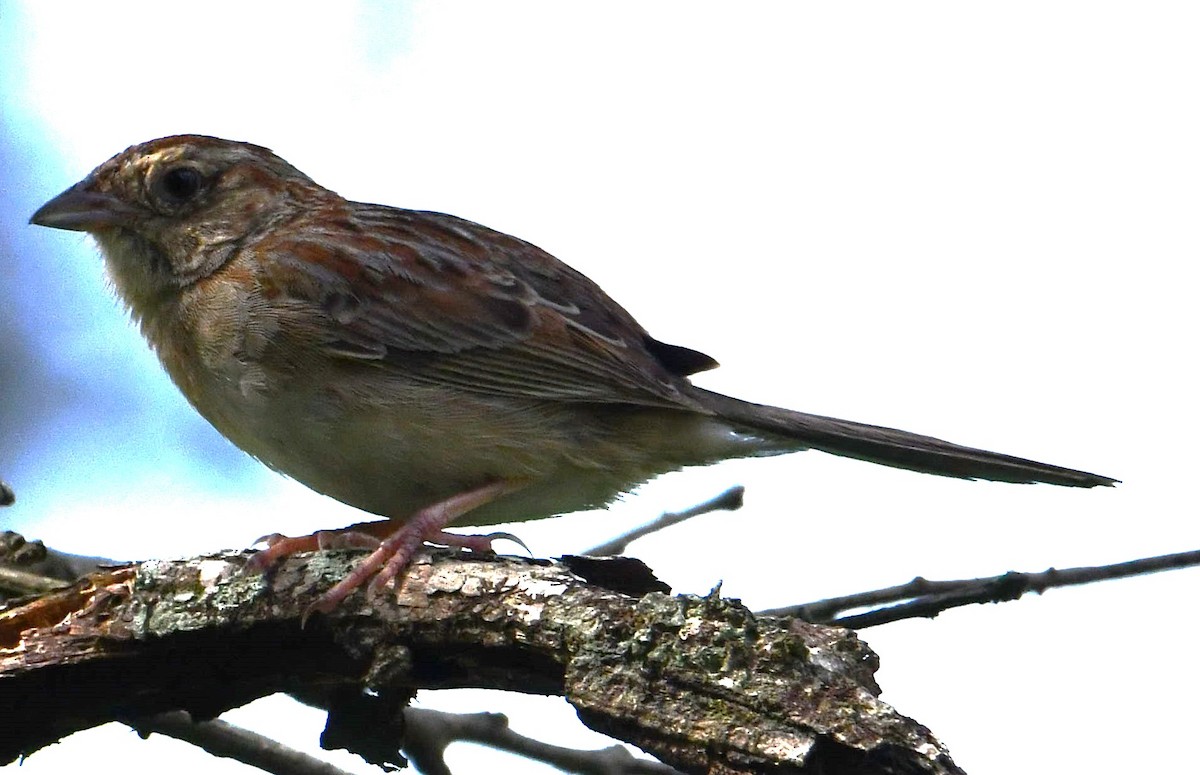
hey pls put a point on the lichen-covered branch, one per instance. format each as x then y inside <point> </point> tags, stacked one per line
<point>699,682</point>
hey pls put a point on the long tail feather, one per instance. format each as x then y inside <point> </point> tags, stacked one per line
<point>891,447</point>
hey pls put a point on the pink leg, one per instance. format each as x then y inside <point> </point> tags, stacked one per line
<point>395,551</point>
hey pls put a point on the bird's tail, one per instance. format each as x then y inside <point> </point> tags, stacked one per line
<point>891,447</point>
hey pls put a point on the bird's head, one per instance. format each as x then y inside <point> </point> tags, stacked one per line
<point>172,211</point>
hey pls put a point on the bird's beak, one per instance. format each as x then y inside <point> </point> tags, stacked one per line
<point>79,209</point>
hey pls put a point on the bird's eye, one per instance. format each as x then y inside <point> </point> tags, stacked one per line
<point>179,184</point>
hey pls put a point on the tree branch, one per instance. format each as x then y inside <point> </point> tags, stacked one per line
<point>730,500</point>
<point>221,738</point>
<point>429,732</point>
<point>699,682</point>
<point>30,568</point>
<point>923,598</point>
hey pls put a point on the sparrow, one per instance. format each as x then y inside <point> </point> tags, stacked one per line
<point>418,366</point>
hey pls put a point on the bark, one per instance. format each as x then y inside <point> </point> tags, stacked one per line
<point>699,682</point>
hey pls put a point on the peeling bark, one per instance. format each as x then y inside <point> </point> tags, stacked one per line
<point>699,682</point>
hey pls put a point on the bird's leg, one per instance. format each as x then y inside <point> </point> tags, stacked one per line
<point>395,551</point>
<point>393,546</point>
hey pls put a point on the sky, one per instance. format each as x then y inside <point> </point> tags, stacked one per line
<point>974,221</point>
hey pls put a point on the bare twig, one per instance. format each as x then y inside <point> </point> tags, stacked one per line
<point>29,568</point>
<point>730,500</point>
<point>429,732</point>
<point>923,598</point>
<point>19,582</point>
<point>221,738</point>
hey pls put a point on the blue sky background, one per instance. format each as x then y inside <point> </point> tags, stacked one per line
<point>974,221</point>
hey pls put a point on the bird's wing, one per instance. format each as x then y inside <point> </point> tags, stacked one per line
<point>450,302</point>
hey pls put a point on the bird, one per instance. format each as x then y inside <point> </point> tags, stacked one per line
<point>418,366</point>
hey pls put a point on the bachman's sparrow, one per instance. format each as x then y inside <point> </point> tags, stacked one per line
<point>419,366</point>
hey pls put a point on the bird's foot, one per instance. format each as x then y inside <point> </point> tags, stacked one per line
<point>393,547</point>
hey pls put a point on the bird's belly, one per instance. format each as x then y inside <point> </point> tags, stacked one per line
<point>421,445</point>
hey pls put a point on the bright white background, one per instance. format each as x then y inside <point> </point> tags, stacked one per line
<point>976,221</point>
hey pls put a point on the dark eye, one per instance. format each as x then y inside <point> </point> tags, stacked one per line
<point>179,184</point>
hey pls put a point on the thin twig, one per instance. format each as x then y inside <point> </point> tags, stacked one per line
<point>429,732</point>
<point>19,583</point>
<point>923,598</point>
<point>730,500</point>
<point>29,568</point>
<point>220,738</point>
<point>427,735</point>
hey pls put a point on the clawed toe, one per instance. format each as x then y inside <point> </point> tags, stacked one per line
<point>278,547</point>
<point>502,536</point>
<point>476,543</point>
<point>270,539</point>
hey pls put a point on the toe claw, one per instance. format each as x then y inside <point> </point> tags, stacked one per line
<point>502,536</point>
<point>309,611</point>
<point>270,539</point>
<point>319,606</point>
